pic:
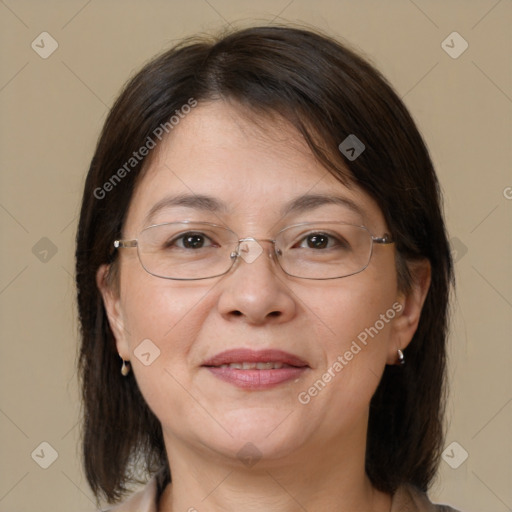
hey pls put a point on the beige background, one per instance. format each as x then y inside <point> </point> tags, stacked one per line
<point>51,114</point>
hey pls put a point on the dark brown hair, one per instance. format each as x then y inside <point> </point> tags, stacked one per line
<point>326,92</point>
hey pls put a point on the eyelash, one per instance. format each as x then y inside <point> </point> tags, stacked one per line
<point>331,238</point>
<point>332,241</point>
<point>182,236</point>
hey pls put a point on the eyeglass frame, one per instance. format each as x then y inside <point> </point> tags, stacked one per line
<point>385,239</point>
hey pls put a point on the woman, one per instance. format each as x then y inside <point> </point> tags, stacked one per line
<point>263,277</point>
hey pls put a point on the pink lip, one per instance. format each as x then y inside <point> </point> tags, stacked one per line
<point>240,355</point>
<point>256,379</point>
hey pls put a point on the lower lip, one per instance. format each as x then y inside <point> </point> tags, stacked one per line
<point>256,379</point>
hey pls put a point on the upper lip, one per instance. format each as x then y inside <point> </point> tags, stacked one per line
<point>243,355</point>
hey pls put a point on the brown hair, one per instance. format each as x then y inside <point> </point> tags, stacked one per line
<point>327,92</point>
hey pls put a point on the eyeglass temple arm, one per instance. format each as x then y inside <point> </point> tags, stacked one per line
<point>123,244</point>
<point>384,239</point>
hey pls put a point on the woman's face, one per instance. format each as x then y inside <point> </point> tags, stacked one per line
<point>337,335</point>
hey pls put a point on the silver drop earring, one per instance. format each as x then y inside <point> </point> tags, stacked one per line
<point>401,358</point>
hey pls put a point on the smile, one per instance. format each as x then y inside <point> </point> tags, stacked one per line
<point>256,370</point>
<point>256,366</point>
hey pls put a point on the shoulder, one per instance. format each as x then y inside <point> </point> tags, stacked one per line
<point>410,499</point>
<point>142,501</point>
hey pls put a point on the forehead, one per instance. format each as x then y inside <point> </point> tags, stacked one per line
<point>254,168</point>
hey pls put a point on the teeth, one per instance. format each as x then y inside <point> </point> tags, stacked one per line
<point>268,366</point>
<point>255,366</point>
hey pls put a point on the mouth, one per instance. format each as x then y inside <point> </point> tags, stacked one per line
<point>268,365</point>
<point>256,369</point>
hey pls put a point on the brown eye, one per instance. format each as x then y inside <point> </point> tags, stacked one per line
<point>193,241</point>
<point>189,240</point>
<point>317,241</point>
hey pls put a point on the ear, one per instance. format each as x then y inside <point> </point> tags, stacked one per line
<point>406,322</point>
<point>112,303</point>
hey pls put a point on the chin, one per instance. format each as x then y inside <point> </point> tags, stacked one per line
<point>259,432</point>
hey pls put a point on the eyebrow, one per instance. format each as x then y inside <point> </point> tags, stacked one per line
<point>312,201</point>
<point>195,201</point>
<point>210,204</point>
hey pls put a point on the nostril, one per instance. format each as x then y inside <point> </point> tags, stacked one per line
<point>275,313</point>
<point>236,313</point>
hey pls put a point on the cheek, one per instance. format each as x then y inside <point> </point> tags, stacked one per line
<point>163,319</point>
<point>353,321</point>
<point>155,307</point>
<point>348,308</point>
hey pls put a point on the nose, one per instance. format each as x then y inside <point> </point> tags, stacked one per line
<point>255,291</point>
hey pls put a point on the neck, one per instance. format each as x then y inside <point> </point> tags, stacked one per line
<point>329,477</point>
